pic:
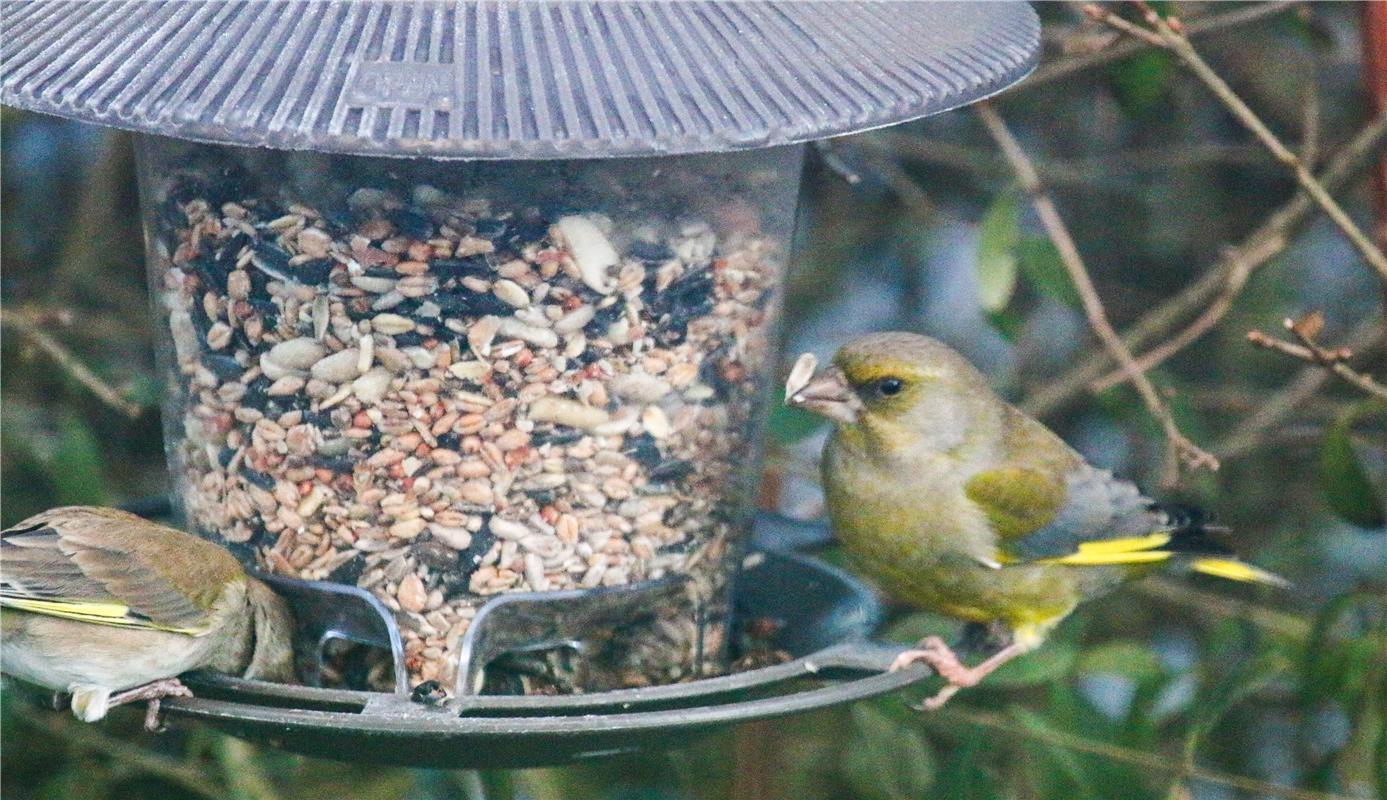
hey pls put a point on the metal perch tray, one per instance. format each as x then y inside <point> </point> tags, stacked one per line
<point>819,614</point>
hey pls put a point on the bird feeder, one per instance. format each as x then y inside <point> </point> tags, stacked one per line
<point>474,306</point>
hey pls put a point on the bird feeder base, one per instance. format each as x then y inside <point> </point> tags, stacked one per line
<point>816,613</point>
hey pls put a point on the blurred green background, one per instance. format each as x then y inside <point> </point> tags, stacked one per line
<point>1173,688</point>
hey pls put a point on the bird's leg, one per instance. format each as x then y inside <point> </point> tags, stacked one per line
<point>941,658</point>
<point>152,722</point>
<point>152,692</point>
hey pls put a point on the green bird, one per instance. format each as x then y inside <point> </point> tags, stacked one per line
<point>956,502</point>
<point>109,608</point>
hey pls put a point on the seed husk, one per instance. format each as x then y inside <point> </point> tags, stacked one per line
<point>800,374</point>
<point>338,367</point>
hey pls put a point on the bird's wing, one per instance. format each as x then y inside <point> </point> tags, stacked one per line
<point>1086,518</point>
<point>112,568</point>
<point>1017,500</point>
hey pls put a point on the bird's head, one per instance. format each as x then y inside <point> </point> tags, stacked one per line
<point>903,389</point>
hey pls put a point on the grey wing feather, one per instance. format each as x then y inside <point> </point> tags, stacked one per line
<point>1097,506</point>
<point>33,566</point>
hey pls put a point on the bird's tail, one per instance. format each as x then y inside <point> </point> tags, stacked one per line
<point>1234,570</point>
<point>1188,539</point>
<point>1193,535</point>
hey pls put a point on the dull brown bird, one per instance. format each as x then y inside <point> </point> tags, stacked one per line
<point>110,608</point>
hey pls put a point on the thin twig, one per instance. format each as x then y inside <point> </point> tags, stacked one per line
<point>835,163</point>
<point>1259,247</point>
<point>1310,124</point>
<point>1165,35</point>
<point>1079,171</point>
<point>882,163</point>
<point>1310,351</point>
<point>1113,752</point>
<point>1180,450</point>
<point>1241,267</point>
<point>70,363</point>
<point>1063,68</point>
<point>1269,413</point>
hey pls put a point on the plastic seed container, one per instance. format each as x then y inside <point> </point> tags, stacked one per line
<point>471,300</point>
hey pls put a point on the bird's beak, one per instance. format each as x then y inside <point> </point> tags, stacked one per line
<point>829,395</point>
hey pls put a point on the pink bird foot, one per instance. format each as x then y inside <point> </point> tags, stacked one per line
<point>934,652</point>
<point>152,693</point>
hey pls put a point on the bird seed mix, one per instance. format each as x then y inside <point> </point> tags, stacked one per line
<point>439,400</point>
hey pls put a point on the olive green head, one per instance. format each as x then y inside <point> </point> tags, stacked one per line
<point>904,389</point>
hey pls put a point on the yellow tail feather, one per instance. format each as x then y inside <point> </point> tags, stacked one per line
<point>1237,571</point>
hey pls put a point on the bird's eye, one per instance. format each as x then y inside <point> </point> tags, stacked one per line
<point>889,387</point>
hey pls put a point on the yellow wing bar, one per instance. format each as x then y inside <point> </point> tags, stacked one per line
<point>1133,550</point>
<point>96,613</point>
<point>1145,549</point>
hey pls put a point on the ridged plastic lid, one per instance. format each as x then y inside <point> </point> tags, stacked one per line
<point>510,78</point>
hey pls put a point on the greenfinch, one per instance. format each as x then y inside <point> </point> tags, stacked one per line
<point>109,608</point>
<point>958,503</point>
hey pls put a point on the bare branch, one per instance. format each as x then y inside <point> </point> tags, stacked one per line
<point>1276,408</point>
<point>70,363</point>
<point>1310,124</point>
<point>1080,171</point>
<point>1165,35</point>
<point>1180,450</point>
<point>1260,246</point>
<point>835,163</point>
<point>1241,268</point>
<point>1305,331</point>
<point>1063,68</point>
<point>880,161</point>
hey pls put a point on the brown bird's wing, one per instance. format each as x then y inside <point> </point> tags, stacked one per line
<point>109,567</point>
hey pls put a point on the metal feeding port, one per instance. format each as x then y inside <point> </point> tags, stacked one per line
<point>818,616</point>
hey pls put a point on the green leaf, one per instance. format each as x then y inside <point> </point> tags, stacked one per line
<point>1229,688</point>
<point>1140,81</point>
<point>1345,482</point>
<point>1127,658</point>
<point>999,232</point>
<point>883,760</point>
<point>1007,322</point>
<point>1043,269</point>
<point>76,469</point>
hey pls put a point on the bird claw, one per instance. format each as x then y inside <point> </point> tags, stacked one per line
<point>941,658</point>
<point>937,701</point>
<point>152,693</point>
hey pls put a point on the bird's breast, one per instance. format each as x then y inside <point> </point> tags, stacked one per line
<point>57,653</point>
<point>913,531</point>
